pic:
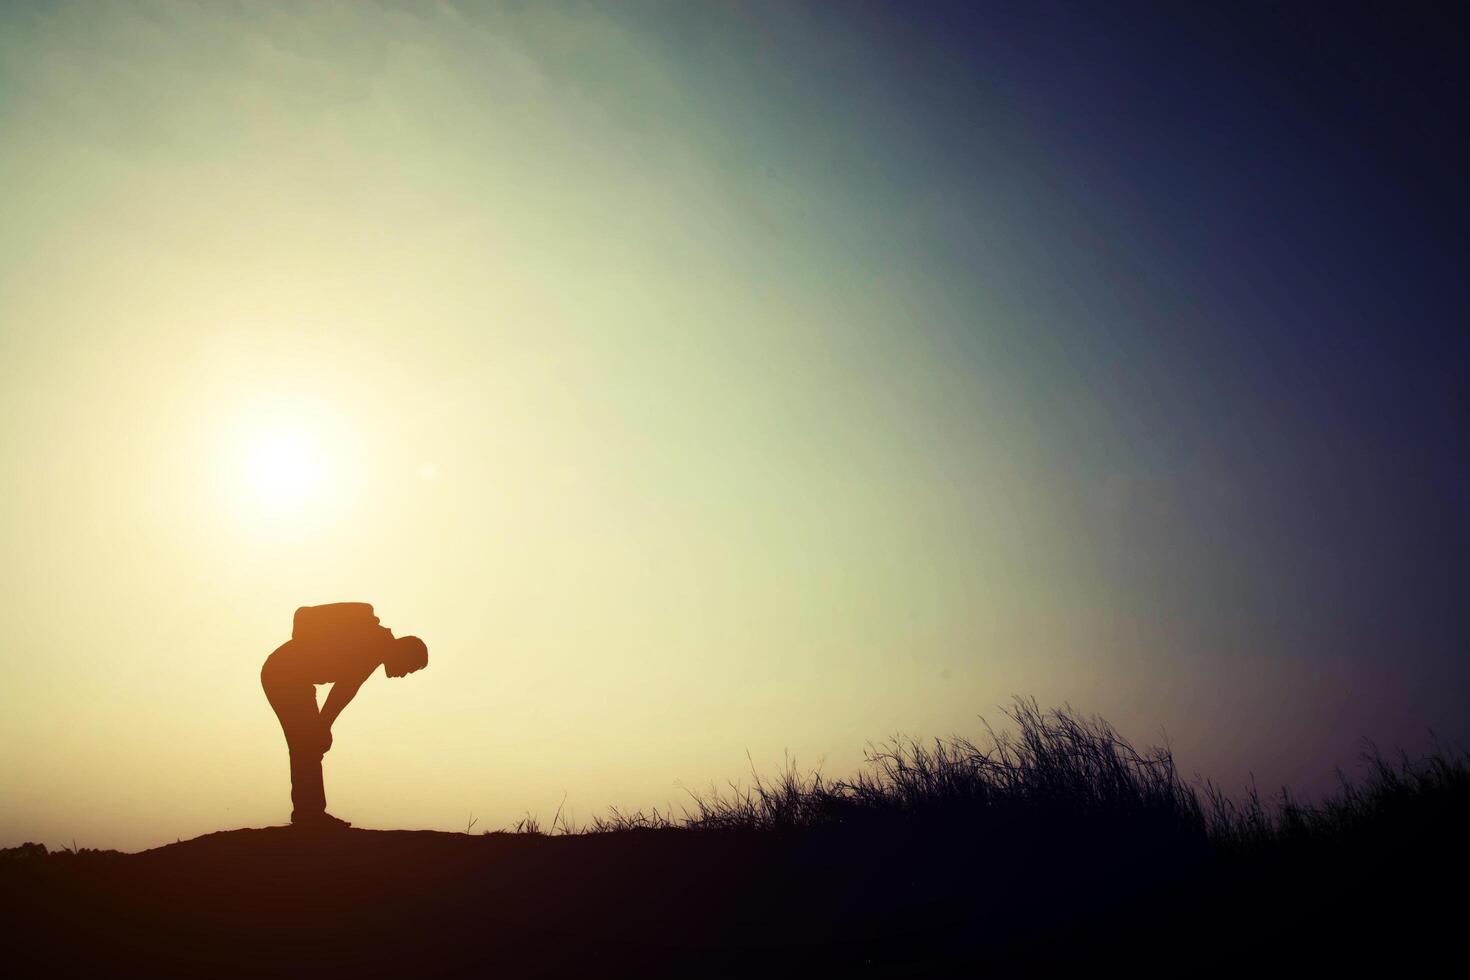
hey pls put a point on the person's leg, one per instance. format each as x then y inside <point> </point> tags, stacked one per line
<point>295,707</point>
<point>308,796</point>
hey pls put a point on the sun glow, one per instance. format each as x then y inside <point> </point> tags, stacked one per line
<point>281,464</point>
<point>284,468</point>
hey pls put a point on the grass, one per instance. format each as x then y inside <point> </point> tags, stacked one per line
<point>1056,825</point>
<point>1054,832</point>
<point>1057,771</point>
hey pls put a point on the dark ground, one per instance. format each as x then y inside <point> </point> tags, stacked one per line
<point>711,902</point>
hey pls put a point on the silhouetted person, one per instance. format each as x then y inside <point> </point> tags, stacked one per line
<point>339,644</point>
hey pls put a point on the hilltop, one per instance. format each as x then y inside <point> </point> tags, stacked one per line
<point>278,900</point>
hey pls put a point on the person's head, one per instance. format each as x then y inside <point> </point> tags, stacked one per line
<point>406,655</point>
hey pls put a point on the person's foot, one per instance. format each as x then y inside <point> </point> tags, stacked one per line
<point>319,821</point>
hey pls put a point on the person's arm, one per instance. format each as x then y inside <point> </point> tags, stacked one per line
<point>342,693</point>
<point>338,698</point>
<point>368,658</point>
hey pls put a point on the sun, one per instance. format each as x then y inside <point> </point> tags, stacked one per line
<point>280,464</point>
<point>284,468</point>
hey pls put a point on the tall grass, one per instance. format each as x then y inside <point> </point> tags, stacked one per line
<point>1058,771</point>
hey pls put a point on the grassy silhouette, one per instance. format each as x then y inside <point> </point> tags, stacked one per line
<point>1056,827</point>
<point>1059,767</point>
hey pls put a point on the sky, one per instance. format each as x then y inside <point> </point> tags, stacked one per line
<point>716,384</point>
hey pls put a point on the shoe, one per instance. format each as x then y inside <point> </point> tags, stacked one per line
<point>320,821</point>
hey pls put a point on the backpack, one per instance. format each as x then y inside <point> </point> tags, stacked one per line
<point>333,620</point>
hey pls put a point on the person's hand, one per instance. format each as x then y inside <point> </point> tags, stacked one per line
<point>326,738</point>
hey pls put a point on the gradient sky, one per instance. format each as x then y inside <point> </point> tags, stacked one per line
<point>713,380</point>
